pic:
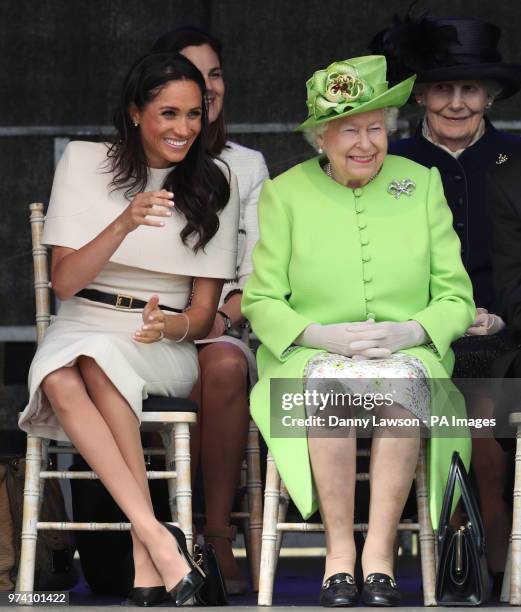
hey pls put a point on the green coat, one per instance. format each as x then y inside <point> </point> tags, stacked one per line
<point>330,254</point>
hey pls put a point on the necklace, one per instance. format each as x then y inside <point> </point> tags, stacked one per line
<point>329,172</point>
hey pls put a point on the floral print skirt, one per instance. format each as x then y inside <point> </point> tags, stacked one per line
<point>401,376</point>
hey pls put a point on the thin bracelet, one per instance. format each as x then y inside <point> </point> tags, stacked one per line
<point>187,327</point>
<point>231,293</point>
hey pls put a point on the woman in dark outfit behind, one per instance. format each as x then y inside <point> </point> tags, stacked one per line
<point>503,198</point>
<point>460,75</point>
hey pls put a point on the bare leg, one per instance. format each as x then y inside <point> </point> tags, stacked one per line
<point>393,463</point>
<point>91,435</point>
<point>195,431</point>
<point>333,460</point>
<point>224,430</point>
<point>125,427</point>
<point>490,465</point>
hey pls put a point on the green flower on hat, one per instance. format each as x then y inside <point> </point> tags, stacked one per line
<point>352,86</point>
<point>336,88</point>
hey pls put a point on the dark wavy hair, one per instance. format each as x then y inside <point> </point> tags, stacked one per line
<point>201,190</point>
<point>188,36</point>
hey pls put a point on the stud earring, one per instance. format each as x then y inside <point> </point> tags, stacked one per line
<point>136,123</point>
<point>488,105</point>
<point>320,150</point>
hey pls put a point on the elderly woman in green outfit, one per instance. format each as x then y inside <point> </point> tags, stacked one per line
<point>357,276</point>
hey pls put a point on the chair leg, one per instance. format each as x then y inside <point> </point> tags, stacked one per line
<point>269,534</point>
<point>426,536</point>
<point>45,462</point>
<point>31,510</point>
<point>184,485</point>
<point>169,446</point>
<point>515,577</point>
<point>254,484</point>
<point>281,518</point>
<point>244,506</point>
<point>505,586</point>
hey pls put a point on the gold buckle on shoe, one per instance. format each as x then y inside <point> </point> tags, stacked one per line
<point>120,301</point>
<point>348,579</point>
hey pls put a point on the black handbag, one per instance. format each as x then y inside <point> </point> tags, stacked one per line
<point>213,592</point>
<point>462,576</point>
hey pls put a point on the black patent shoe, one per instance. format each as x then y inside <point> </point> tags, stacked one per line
<point>338,591</point>
<point>148,596</point>
<point>380,590</point>
<point>188,586</point>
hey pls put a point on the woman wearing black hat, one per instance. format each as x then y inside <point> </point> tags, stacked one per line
<point>460,75</point>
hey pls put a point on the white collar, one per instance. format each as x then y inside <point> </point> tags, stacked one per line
<point>427,134</point>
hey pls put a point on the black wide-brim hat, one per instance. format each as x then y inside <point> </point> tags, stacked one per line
<point>447,49</point>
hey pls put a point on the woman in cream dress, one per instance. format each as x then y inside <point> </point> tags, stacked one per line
<point>227,365</point>
<point>132,226</point>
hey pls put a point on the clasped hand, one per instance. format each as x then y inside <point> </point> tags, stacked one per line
<point>364,340</point>
<point>485,324</point>
<point>153,328</point>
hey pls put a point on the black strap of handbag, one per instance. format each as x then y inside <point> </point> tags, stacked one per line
<point>458,474</point>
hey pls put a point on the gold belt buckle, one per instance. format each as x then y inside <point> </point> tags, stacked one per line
<point>120,301</point>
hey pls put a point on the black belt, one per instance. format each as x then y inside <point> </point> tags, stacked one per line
<point>121,301</point>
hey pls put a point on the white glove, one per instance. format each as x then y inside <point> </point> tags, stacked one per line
<point>386,335</point>
<point>485,324</point>
<point>339,338</point>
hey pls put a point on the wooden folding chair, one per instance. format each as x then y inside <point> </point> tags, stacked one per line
<point>511,591</point>
<point>251,513</point>
<point>276,502</point>
<point>169,416</point>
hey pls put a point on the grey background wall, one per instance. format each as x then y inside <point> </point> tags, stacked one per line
<point>62,61</point>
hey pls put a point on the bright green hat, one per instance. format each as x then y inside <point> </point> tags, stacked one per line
<point>351,87</point>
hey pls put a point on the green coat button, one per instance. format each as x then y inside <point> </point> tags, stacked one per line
<point>357,192</point>
<point>371,315</point>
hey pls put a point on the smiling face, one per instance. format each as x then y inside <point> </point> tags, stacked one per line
<point>356,147</point>
<point>207,62</point>
<point>170,123</point>
<point>454,110</point>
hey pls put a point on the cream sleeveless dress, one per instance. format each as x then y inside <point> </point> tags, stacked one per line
<point>149,261</point>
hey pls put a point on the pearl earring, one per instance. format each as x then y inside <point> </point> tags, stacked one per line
<point>320,150</point>
<point>489,105</point>
<point>136,123</point>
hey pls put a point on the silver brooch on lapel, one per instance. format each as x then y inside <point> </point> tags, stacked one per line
<point>396,188</point>
<point>502,158</point>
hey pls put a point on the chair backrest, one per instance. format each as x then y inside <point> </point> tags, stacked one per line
<point>42,292</point>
